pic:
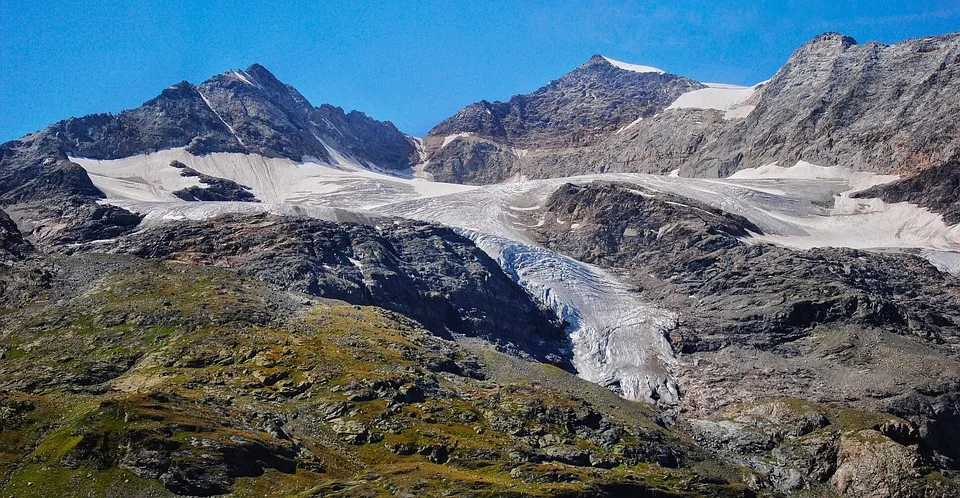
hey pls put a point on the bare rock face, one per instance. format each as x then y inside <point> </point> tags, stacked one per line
<point>871,465</point>
<point>12,245</point>
<point>803,448</point>
<point>870,107</point>
<point>575,111</point>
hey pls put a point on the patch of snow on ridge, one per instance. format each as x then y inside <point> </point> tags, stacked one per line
<point>631,125</point>
<point>633,67</point>
<point>246,78</point>
<point>719,96</point>
<point>450,138</point>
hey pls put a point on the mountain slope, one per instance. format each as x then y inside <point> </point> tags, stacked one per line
<point>249,112</point>
<point>141,378</point>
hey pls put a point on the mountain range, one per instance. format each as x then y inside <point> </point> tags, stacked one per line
<point>626,283</point>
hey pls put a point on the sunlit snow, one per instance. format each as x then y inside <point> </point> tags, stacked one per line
<point>728,98</point>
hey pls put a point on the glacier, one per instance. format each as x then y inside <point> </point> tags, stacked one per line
<point>618,338</point>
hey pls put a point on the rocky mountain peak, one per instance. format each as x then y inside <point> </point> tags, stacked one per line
<point>826,44</point>
<point>261,78</point>
<point>577,110</point>
<point>179,89</point>
<point>596,60</point>
<point>259,71</point>
<point>241,111</point>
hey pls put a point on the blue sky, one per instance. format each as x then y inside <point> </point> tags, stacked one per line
<point>413,63</point>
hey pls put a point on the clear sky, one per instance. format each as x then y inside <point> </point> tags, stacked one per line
<point>413,63</point>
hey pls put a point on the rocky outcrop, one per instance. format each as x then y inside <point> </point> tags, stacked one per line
<point>426,272</point>
<point>216,189</point>
<point>59,223</point>
<point>12,245</point>
<point>937,189</point>
<point>802,447</point>
<point>575,111</point>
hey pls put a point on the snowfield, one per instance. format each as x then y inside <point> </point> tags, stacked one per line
<point>617,337</point>
<point>728,98</point>
<point>634,67</point>
<point>150,178</point>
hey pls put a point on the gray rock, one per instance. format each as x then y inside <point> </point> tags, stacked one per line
<point>12,244</point>
<point>217,189</point>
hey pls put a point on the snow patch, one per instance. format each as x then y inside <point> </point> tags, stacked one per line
<point>722,97</point>
<point>246,78</point>
<point>357,263</point>
<point>804,170</point>
<point>331,125</point>
<point>149,178</point>
<point>450,138</point>
<point>631,125</point>
<point>633,67</point>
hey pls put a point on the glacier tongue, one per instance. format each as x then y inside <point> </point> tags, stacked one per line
<point>617,339</point>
